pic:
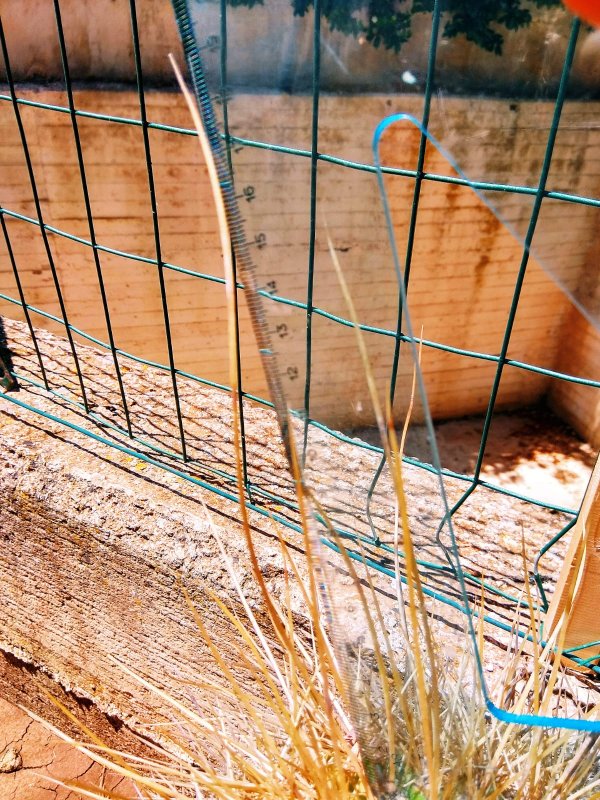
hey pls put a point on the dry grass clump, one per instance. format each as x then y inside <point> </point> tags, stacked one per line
<point>296,719</point>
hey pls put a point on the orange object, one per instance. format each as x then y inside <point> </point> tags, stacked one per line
<point>588,10</point>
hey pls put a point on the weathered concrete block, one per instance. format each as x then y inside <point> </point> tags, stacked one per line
<point>97,544</point>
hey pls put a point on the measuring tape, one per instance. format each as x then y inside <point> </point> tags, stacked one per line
<point>241,245</point>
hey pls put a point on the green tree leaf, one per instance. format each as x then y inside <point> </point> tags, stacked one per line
<point>387,23</point>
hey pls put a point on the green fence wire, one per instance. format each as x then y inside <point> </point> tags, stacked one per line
<point>180,461</point>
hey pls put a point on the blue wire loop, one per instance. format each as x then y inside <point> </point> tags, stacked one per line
<point>452,552</point>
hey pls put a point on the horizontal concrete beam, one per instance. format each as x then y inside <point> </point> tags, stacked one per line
<point>96,544</point>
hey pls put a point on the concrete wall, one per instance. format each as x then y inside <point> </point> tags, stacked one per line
<point>579,353</point>
<point>464,263</point>
<point>269,47</point>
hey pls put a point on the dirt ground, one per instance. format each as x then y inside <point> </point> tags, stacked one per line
<point>532,452</point>
<point>33,761</point>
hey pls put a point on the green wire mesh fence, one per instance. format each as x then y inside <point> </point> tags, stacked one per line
<point>184,455</point>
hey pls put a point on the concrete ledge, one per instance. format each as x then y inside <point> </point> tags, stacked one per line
<point>96,544</point>
<point>95,549</point>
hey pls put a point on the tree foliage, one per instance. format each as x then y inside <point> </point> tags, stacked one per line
<point>388,23</point>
